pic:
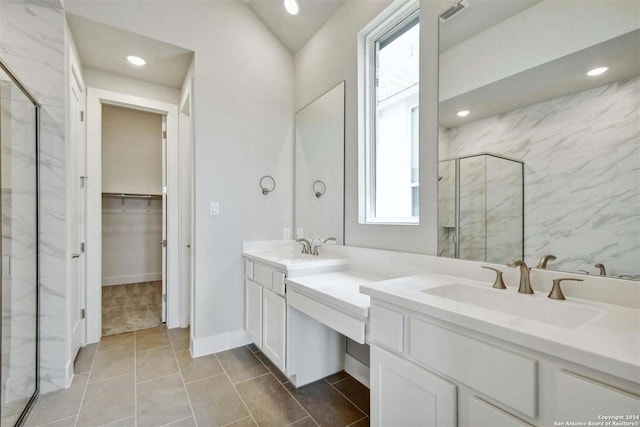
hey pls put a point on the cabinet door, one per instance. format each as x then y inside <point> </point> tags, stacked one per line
<point>253,311</point>
<point>403,394</point>
<point>274,317</point>
<point>483,414</point>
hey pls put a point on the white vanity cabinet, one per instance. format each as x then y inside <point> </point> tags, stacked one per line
<point>430,372</point>
<point>266,310</point>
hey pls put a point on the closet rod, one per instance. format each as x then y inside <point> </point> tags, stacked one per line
<point>132,196</point>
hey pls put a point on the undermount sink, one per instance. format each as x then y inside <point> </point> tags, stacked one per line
<point>562,314</point>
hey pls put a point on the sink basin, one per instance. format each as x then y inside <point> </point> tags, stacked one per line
<point>540,309</point>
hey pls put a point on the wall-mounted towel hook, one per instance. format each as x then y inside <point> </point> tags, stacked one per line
<point>319,188</point>
<point>267,184</point>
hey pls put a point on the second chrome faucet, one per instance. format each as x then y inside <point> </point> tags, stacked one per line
<point>525,278</point>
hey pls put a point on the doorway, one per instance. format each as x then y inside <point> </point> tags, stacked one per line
<point>133,220</point>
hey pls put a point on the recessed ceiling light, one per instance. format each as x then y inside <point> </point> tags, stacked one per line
<point>136,60</point>
<point>463,113</point>
<point>292,6</point>
<point>597,71</point>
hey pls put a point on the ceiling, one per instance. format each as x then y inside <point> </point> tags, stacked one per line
<point>104,47</point>
<point>294,30</point>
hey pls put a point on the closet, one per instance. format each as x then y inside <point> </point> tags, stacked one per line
<point>133,220</point>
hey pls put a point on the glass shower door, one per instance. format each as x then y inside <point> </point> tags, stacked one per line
<point>19,250</point>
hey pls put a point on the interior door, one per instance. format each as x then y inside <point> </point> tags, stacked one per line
<point>76,214</point>
<point>164,219</point>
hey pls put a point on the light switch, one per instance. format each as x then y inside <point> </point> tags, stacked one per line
<point>214,208</point>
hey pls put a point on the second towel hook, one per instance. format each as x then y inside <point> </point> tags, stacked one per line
<point>265,186</point>
<point>319,188</point>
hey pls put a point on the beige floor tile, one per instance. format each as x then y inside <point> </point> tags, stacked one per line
<point>116,341</point>
<point>365,422</point>
<point>269,402</point>
<point>147,339</point>
<point>325,404</point>
<point>273,368</point>
<point>59,404</point>
<point>155,363</point>
<point>198,368</point>
<point>241,364</point>
<point>107,401</point>
<point>186,422</point>
<point>84,359</point>
<point>305,422</point>
<point>125,422</point>
<point>215,401</point>
<point>253,348</point>
<point>67,422</point>
<point>245,422</point>
<point>356,392</point>
<point>179,338</point>
<point>162,401</point>
<point>108,364</point>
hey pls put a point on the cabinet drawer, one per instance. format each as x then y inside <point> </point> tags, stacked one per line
<point>263,275</point>
<point>508,377</point>
<point>580,398</point>
<point>277,278</point>
<point>336,320</point>
<point>248,269</point>
<point>386,327</point>
<point>483,414</point>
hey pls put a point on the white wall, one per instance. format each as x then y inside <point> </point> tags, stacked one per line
<point>243,105</point>
<point>131,151</point>
<point>331,56</point>
<point>116,83</point>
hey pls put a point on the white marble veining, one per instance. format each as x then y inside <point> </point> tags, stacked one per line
<point>582,174</point>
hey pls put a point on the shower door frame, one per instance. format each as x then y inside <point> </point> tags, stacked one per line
<point>36,104</point>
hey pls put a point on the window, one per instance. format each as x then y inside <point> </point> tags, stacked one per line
<point>390,181</point>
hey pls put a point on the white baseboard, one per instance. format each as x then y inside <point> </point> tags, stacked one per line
<point>356,369</point>
<point>133,278</point>
<point>217,343</point>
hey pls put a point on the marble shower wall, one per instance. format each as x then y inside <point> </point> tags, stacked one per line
<point>32,45</point>
<point>582,174</point>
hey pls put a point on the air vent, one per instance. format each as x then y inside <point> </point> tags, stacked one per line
<point>454,10</point>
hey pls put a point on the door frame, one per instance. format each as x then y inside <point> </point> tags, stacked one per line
<point>95,99</point>
<point>187,219</point>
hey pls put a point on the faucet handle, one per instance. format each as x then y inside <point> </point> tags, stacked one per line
<point>499,282</point>
<point>556,291</point>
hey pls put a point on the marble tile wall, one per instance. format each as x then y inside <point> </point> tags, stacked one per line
<point>32,45</point>
<point>582,174</point>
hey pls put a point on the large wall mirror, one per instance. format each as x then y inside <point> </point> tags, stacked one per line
<point>319,167</point>
<point>539,147</point>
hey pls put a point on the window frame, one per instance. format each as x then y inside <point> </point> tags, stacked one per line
<point>377,31</point>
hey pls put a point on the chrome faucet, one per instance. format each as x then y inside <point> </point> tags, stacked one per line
<point>545,259</point>
<point>329,239</point>
<point>306,246</point>
<point>603,271</point>
<point>525,280</point>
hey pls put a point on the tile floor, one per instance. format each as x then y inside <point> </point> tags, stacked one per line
<point>148,378</point>
<point>131,307</point>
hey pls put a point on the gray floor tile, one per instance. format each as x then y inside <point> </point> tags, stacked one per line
<point>273,368</point>
<point>325,404</point>
<point>125,422</point>
<point>59,404</point>
<point>305,422</point>
<point>269,402</point>
<point>186,422</point>
<point>355,392</point>
<point>107,401</point>
<point>112,363</point>
<point>84,359</point>
<point>241,364</point>
<point>198,368</point>
<point>245,422</point>
<point>147,339</point>
<point>67,422</point>
<point>215,401</point>
<point>155,363</point>
<point>162,401</point>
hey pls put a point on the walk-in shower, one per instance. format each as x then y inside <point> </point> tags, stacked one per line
<point>19,117</point>
<point>481,208</point>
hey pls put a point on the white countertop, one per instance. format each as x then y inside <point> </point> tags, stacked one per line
<point>338,289</point>
<point>609,343</point>
<point>293,262</point>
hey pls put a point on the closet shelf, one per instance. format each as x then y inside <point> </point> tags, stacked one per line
<point>132,196</point>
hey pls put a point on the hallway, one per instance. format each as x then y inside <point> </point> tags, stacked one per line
<point>148,378</point>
